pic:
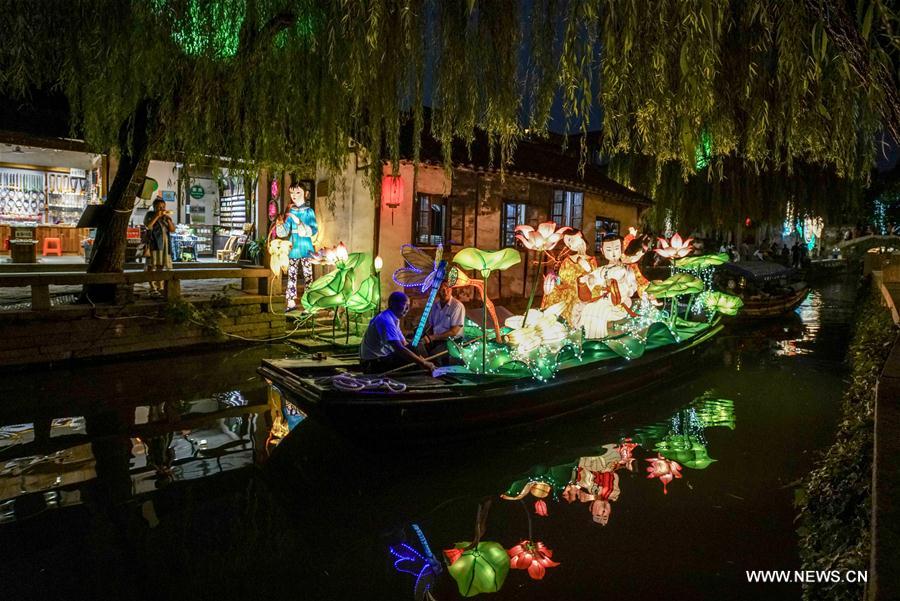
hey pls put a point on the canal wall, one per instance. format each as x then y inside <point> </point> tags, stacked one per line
<point>83,331</point>
<point>884,581</point>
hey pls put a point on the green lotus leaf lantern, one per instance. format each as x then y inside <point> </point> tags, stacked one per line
<point>678,284</point>
<point>481,569</point>
<point>487,261</point>
<point>702,261</point>
<point>726,304</point>
<point>686,450</point>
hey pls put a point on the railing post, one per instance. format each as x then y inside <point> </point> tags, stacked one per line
<point>173,289</point>
<point>40,297</point>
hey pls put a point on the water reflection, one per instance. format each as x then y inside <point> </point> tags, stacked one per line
<point>45,464</point>
<point>669,448</point>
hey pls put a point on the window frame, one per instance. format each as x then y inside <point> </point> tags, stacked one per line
<point>417,233</point>
<point>598,220</point>
<point>507,234</point>
<point>571,208</point>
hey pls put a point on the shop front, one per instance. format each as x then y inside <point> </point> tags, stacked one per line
<point>212,209</point>
<point>43,193</point>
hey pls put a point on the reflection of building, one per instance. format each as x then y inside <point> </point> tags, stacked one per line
<point>194,439</point>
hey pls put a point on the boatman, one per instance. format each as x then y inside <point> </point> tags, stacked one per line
<point>383,346</point>
<point>445,322</point>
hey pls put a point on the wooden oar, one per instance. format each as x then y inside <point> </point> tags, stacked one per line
<point>441,354</point>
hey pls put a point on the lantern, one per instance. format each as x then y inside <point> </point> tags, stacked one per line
<point>391,191</point>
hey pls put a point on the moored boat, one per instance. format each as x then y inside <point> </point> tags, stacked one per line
<point>418,405</point>
<point>767,289</point>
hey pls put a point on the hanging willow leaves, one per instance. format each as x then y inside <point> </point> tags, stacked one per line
<point>760,85</point>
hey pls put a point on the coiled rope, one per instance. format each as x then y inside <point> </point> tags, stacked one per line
<point>357,383</point>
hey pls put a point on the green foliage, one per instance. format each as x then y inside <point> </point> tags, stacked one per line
<point>255,249</point>
<point>207,318</point>
<point>286,83</point>
<point>835,501</point>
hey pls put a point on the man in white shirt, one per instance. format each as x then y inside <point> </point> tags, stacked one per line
<point>383,346</point>
<point>445,322</point>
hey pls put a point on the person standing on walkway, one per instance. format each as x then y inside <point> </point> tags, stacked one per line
<point>159,223</point>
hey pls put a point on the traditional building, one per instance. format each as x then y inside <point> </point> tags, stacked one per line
<point>473,205</point>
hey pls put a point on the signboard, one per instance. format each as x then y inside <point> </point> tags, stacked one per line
<point>197,191</point>
<point>77,172</point>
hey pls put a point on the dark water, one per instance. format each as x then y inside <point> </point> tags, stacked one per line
<point>162,479</point>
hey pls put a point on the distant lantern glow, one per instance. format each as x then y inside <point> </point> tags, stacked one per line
<point>379,263</point>
<point>392,191</point>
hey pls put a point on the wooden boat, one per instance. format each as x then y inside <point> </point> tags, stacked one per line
<point>767,289</point>
<point>455,403</point>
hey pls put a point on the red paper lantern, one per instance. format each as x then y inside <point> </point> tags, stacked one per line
<point>392,190</point>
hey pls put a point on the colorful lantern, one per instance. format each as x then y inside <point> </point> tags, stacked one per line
<point>675,248</point>
<point>392,191</point>
<point>531,556</point>
<point>664,469</point>
<point>481,569</point>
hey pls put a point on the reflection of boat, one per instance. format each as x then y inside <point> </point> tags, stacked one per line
<point>767,289</point>
<point>459,402</point>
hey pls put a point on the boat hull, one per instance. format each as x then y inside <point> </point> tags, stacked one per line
<point>774,307</point>
<point>494,403</point>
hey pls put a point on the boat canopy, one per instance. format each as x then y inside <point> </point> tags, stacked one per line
<point>760,271</point>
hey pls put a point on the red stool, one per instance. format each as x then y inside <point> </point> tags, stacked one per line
<point>52,246</point>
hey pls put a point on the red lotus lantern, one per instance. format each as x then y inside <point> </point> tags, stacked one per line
<point>392,190</point>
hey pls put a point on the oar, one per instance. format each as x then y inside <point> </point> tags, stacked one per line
<point>441,354</point>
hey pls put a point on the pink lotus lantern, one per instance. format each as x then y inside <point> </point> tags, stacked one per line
<point>532,556</point>
<point>664,469</point>
<point>675,248</point>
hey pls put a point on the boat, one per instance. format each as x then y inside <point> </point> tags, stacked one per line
<point>425,407</point>
<point>767,289</point>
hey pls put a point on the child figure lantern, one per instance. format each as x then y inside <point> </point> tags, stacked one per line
<point>300,226</point>
<point>608,290</point>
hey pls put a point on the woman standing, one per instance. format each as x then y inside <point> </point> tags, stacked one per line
<point>160,225</point>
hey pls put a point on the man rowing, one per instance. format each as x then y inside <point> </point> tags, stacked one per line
<point>383,346</point>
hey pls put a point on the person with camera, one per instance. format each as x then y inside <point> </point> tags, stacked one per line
<point>159,225</point>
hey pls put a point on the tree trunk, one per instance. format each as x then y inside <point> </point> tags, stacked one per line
<point>108,253</point>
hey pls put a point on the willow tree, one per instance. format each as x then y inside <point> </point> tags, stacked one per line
<point>762,83</point>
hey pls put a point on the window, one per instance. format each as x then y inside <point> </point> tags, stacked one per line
<point>603,225</point>
<point>567,208</point>
<point>513,215</point>
<point>431,221</point>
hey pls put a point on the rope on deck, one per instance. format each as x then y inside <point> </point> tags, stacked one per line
<point>355,383</point>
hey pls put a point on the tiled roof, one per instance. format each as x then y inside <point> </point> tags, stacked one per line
<point>534,159</point>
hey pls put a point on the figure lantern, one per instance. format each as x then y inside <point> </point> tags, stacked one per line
<point>392,192</point>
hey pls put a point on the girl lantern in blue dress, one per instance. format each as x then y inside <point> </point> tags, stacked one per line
<point>300,225</point>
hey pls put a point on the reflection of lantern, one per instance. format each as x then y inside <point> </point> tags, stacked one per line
<point>392,190</point>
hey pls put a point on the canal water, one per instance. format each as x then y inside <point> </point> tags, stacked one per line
<point>171,478</point>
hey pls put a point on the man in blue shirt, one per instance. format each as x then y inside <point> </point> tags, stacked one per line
<point>383,346</point>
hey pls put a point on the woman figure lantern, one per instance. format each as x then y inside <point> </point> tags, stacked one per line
<point>300,225</point>
<point>608,290</point>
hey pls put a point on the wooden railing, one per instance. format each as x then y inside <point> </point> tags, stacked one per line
<point>253,278</point>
